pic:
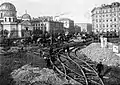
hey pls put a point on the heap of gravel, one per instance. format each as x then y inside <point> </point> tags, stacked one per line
<point>106,55</point>
<point>36,76</point>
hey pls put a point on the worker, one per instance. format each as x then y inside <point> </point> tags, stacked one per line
<point>51,51</point>
<point>41,53</point>
<point>48,62</point>
<point>100,68</point>
<point>67,48</point>
<point>53,58</point>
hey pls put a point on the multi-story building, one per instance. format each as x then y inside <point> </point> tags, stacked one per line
<point>68,25</point>
<point>50,26</point>
<point>85,27</point>
<point>106,17</point>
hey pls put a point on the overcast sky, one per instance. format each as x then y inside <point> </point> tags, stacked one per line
<point>77,10</point>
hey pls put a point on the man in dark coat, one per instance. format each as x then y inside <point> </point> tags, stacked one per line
<point>99,68</point>
<point>51,51</point>
<point>67,48</point>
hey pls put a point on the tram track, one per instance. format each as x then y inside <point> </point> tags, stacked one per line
<point>90,74</point>
<point>72,67</point>
<point>75,68</point>
<point>64,70</point>
<point>89,71</point>
<point>75,73</point>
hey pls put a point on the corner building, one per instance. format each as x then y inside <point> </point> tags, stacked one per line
<point>106,18</point>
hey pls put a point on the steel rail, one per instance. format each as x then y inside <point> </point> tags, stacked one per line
<point>87,65</point>
<point>79,68</point>
<point>63,72</point>
<point>78,74</point>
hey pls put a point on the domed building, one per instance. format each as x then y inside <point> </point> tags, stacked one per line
<point>23,26</point>
<point>9,21</point>
<point>26,17</point>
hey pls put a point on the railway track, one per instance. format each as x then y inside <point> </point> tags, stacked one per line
<point>88,66</point>
<point>71,67</point>
<point>81,70</point>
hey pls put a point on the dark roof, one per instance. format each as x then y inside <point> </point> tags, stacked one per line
<point>114,4</point>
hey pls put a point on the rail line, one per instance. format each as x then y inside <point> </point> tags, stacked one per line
<point>61,68</point>
<point>87,65</point>
<point>87,71</point>
<point>72,67</point>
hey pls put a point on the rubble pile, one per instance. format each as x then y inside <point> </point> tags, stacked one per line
<point>36,76</point>
<point>106,55</point>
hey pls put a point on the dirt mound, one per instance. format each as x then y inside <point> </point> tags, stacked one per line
<point>35,76</point>
<point>106,55</point>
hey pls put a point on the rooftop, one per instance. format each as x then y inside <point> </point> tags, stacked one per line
<point>114,4</point>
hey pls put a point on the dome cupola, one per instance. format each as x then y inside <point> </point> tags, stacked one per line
<point>26,17</point>
<point>7,10</point>
<point>7,7</point>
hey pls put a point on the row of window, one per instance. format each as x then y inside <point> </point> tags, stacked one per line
<point>97,26</point>
<point>103,30</point>
<point>38,24</point>
<point>107,20</point>
<point>107,15</point>
<point>9,19</point>
<point>2,15</point>
<point>37,28</point>
<point>107,10</point>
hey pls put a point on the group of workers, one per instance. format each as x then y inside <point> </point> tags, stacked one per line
<point>51,56</point>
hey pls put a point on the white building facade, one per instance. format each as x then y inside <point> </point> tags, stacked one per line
<point>106,18</point>
<point>68,25</point>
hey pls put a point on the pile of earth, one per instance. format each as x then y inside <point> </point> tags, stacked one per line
<point>96,53</point>
<point>110,61</point>
<point>36,76</point>
<point>13,61</point>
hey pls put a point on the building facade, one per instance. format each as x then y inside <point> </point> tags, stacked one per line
<point>68,25</point>
<point>106,18</point>
<point>9,21</point>
<point>23,26</point>
<point>85,27</point>
<point>50,26</point>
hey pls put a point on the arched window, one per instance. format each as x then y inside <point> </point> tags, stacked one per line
<point>1,14</point>
<point>107,25</point>
<point>26,28</point>
<point>9,19</point>
<point>5,19</point>
<point>13,19</point>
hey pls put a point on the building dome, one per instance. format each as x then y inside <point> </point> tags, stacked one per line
<point>26,17</point>
<point>7,10</point>
<point>7,7</point>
